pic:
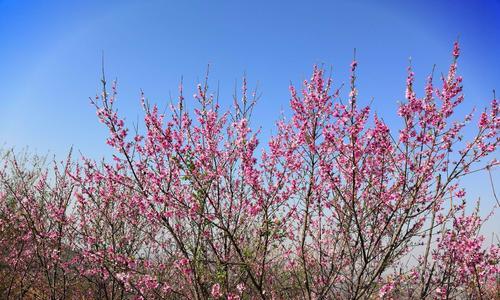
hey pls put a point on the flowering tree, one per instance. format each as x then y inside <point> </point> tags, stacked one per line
<point>36,236</point>
<point>338,206</point>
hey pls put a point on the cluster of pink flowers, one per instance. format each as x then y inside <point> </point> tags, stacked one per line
<point>460,252</point>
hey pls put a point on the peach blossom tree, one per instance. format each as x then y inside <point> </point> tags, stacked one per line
<point>337,206</point>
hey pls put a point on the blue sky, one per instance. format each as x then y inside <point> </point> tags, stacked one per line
<point>50,57</point>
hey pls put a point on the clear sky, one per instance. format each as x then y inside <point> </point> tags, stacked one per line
<point>50,56</point>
